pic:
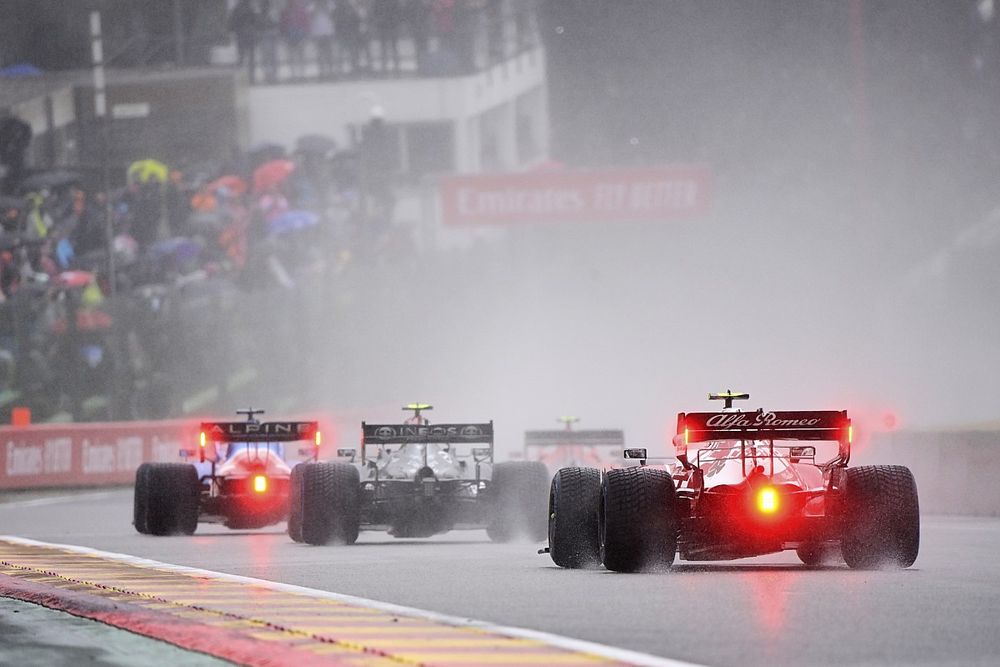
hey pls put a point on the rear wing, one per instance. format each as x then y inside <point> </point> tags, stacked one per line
<point>247,431</point>
<point>401,434</point>
<point>564,438</point>
<point>398,434</point>
<point>260,432</point>
<point>695,427</point>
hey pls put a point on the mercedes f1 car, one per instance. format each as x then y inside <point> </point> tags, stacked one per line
<point>417,480</point>
<point>241,478</point>
<point>569,447</point>
<point>752,487</point>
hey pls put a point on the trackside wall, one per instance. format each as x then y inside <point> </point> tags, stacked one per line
<point>87,454</point>
<point>956,471</point>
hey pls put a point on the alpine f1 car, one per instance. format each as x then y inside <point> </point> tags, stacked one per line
<point>752,487</point>
<point>417,480</point>
<point>241,478</point>
<point>568,447</point>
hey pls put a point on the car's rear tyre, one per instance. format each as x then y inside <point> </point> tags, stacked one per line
<point>167,499</point>
<point>295,504</point>
<point>330,507</point>
<point>638,520</point>
<point>815,554</point>
<point>518,498</point>
<point>140,498</point>
<point>881,517</point>
<point>574,526</point>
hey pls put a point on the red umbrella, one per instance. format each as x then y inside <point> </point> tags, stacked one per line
<point>75,278</point>
<point>270,175</point>
<point>234,184</point>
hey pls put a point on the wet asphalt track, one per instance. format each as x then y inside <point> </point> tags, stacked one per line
<point>765,611</point>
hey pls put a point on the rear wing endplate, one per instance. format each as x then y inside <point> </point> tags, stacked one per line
<point>398,434</point>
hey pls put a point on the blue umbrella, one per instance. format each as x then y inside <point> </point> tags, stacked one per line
<point>20,69</point>
<point>180,249</point>
<point>292,221</point>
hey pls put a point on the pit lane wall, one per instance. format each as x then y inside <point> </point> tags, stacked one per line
<point>96,454</point>
<point>956,471</point>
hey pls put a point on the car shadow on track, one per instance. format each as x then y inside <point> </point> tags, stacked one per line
<point>707,568</point>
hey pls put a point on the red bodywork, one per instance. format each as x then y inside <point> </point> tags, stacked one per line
<point>747,490</point>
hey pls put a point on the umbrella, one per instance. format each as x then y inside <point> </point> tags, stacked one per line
<point>56,178</point>
<point>233,184</point>
<point>146,171</point>
<point>7,203</point>
<point>315,143</point>
<point>261,153</point>
<point>19,70</point>
<point>75,278</point>
<point>180,248</point>
<point>272,174</point>
<point>291,221</point>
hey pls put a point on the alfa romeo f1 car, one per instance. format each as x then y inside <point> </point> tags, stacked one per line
<point>752,487</point>
<point>241,478</point>
<point>568,447</point>
<point>417,480</point>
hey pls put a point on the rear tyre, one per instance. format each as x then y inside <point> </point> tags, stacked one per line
<point>295,504</point>
<point>171,498</point>
<point>638,520</point>
<point>330,508</point>
<point>518,494</point>
<point>574,526</point>
<point>140,498</point>
<point>814,555</point>
<point>881,517</point>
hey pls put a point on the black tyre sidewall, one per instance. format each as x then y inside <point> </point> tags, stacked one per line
<point>638,523</point>
<point>140,499</point>
<point>330,503</point>
<point>881,520</point>
<point>573,522</point>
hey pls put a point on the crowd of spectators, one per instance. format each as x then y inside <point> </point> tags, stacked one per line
<point>329,39</point>
<point>72,260</point>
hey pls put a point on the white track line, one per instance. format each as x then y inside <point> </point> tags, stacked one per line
<point>568,643</point>
<point>56,500</point>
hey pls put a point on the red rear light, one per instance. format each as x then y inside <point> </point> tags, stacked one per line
<point>260,483</point>
<point>767,500</point>
<point>319,438</point>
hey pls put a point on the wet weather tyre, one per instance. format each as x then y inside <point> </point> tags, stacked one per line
<point>574,527</point>
<point>171,497</point>
<point>519,497</point>
<point>815,554</point>
<point>295,504</point>
<point>140,498</point>
<point>330,507</point>
<point>638,520</point>
<point>881,524</point>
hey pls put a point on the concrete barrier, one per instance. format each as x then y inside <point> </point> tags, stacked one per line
<point>957,472</point>
<point>47,455</point>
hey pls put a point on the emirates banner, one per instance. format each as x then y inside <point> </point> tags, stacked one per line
<point>87,454</point>
<point>613,195</point>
